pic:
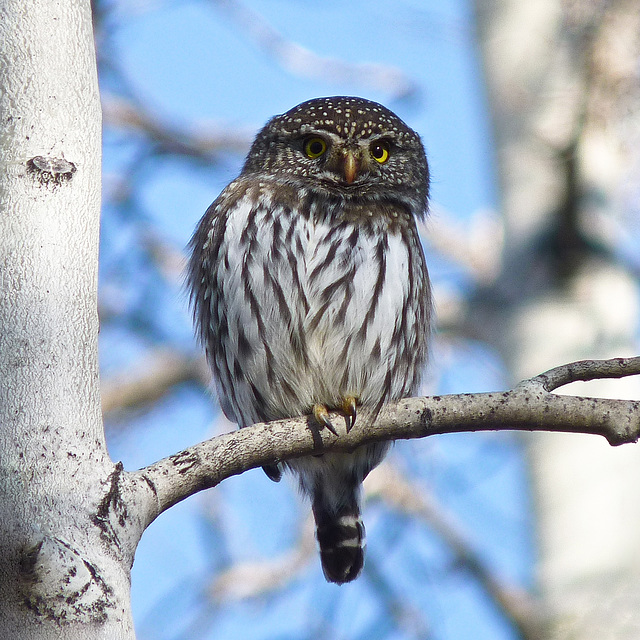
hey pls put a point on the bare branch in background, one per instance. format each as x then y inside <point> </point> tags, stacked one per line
<point>300,61</point>
<point>474,244</point>
<point>152,377</point>
<point>518,605</point>
<point>254,579</point>
<point>394,605</point>
<point>210,140</point>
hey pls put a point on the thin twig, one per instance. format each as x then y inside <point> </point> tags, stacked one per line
<point>585,370</point>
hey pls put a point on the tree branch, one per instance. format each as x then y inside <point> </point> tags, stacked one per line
<point>528,407</point>
<point>207,141</point>
<point>586,370</point>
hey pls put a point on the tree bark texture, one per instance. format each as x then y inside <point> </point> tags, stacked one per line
<point>61,575</point>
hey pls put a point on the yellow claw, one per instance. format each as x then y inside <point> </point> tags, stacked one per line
<point>321,414</point>
<point>349,408</point>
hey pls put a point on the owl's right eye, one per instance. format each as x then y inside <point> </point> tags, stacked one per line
<point>314,147</point>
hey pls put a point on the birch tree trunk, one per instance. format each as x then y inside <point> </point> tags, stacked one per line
<point>561,78</point>
<point>61,575</point>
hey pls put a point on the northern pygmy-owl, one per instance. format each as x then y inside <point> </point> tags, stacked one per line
<point>311,293</point>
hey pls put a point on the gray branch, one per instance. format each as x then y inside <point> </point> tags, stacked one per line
<point>530,406</point>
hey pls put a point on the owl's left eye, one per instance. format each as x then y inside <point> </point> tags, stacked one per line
<point>380,151</point>
<point>314,147</point>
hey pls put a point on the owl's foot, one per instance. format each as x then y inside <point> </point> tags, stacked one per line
<point>348,406</point>
<point>349,410</point>
<point>321,414</point>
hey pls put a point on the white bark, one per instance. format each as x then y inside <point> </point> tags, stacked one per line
<point>61,574</point>
<point>558,119</point>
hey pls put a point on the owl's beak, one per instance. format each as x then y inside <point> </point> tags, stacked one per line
<point>350,167</point>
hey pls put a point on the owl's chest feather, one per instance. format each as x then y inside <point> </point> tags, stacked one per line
<point>330,278</point>
<point>313,299</point>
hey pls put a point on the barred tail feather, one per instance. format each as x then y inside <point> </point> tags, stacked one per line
<point>341,538</point>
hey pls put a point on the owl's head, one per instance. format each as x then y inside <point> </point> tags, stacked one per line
<point>344,146</point>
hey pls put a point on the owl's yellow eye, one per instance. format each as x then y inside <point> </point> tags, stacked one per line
<point>314,147</point>
<point>380,151</point>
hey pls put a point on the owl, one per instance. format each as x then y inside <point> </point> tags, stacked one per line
<point>311,294</point>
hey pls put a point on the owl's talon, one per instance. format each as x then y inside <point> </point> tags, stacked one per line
<point>350,412</point>
<point>321,414</point>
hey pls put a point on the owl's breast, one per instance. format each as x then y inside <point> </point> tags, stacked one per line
<point>357,283</point>
<point>311,312</point>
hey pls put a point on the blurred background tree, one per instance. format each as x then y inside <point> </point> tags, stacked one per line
<point>529,114</point>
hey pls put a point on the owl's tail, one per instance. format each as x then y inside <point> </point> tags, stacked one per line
<point>341,536</point>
